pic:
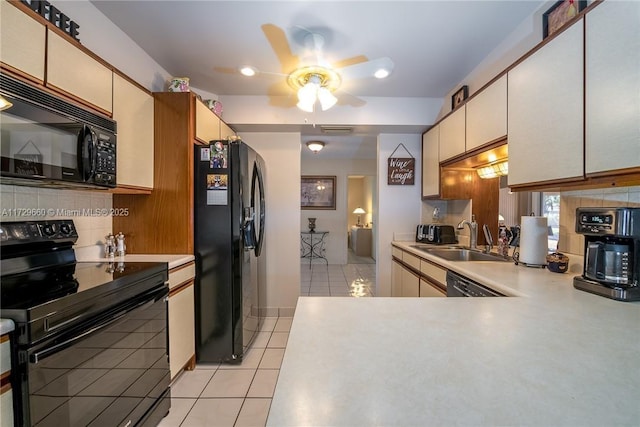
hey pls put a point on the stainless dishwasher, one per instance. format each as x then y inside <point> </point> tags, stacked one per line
<point>460,286</point>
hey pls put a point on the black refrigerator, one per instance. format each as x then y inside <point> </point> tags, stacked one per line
<point>229,221</point>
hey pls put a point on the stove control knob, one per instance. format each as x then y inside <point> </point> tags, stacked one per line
<point>49,230</point>
<point>65,229</point>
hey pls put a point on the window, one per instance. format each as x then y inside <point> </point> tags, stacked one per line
<point>550,207</point>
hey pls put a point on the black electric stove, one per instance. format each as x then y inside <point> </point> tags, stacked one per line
<point>101,320</point>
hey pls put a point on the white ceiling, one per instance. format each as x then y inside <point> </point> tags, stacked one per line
<point>433,44</point>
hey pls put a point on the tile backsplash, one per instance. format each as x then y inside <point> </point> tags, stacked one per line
<point>89,210</point>
<point>570,241</point>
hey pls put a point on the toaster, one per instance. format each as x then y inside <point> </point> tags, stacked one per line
<point>436,234</point>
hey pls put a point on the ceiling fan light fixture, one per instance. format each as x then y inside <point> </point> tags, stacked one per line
<point>248,71</point>
<point>315,146</point>
<point>326,98</point>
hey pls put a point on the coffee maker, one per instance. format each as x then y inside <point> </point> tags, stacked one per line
<point>611,252</point>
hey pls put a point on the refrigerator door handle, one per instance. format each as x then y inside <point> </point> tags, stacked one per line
<point>248,229</point>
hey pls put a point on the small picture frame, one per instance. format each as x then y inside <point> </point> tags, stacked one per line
<point>318,192</point>
<point>559,14</point>
<point>459,96</point>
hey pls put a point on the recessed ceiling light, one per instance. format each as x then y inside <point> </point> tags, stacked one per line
<point>381,73</point>
<point>248,71</point>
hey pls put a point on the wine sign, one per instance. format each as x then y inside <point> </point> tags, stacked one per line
<point>401,170</point>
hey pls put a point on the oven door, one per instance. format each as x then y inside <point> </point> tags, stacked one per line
<point>112,371</point>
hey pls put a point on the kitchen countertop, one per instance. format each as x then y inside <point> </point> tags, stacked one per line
<point>552,355</point>
<point>6,326</point>
<point>94,254</point>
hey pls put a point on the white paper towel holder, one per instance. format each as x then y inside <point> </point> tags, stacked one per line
<point>516,256</point>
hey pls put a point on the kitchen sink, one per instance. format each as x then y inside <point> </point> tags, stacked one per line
<point>460,254</point>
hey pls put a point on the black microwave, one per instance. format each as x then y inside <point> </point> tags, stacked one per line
<point>47,141</point>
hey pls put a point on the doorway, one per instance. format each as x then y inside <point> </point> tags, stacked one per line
<point>361,193</point>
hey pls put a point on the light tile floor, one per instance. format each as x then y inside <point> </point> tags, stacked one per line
<point>240,394</point>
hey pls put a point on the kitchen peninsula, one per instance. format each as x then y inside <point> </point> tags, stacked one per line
<point>547,355</point>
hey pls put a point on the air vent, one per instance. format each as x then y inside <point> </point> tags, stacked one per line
<point>336,130</point>
<point>32,95</point>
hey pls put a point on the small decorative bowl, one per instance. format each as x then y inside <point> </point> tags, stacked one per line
<point>557,262</point>
<point>179,84</point>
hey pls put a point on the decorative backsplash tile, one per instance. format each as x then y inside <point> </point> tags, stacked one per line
<point>89,210</point>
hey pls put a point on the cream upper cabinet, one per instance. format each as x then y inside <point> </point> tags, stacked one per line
<point>431,162</point>
<point>452,134</point>
<point>77,73</point>
<point>613,86</point>
<point>487,115</point>
<point>133,111</point>
<point>225,130</point>
<point>23,41</point>
<point>207,123</point>
<point>545,111</point>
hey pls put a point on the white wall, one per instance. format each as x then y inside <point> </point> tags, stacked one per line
<point>334,221</point>
<point>399,206</point>
<point>281,153</point>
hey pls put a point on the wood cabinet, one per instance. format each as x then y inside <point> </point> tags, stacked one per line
<point>452,134</point>
<point>612,87</point>
<point>23,42</point>
<point>163,220</point>
<point>207,123</point>
<point>431,162</point>
<point>225,131</point>
<point>182,346</point>
<point>133,110</point>
<point>78,74</point>
<point>486,115</point>
<point>545,112</point>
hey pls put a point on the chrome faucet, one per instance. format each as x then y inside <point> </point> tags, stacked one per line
<point>473,230</point>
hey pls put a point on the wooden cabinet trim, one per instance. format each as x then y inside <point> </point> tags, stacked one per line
<point>419,273</point>
<point>182,266</point>
<point>181,287</point>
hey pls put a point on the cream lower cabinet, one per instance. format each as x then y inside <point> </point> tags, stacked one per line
<point>78,74</point>
<point>431,162</point>
<point>545,112</point>
<point>612,87</point>
<point>412,276</point>
<point>6,392</point>
<point>133,110</point>
<point>23,41</point>
<point>182,345</point>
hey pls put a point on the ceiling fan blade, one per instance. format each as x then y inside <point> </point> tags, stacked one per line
<point>366,69</point>
<point>350,61</point>
<point>346,98</point>
<point>280,45</point>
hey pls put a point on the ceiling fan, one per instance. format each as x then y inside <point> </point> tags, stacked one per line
<point>310,75</point>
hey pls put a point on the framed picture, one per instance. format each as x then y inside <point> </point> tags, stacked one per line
<point>459,96</point>
<point>318,192</point>
<point>559,14</point>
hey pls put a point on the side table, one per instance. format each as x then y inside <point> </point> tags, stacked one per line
<point>312,245</point>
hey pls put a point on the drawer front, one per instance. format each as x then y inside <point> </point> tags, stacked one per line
<point>433,271</point>
<point>6,407</point>
<point>181,274</point>
<point>396,252</point>
<point>411,260</point>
